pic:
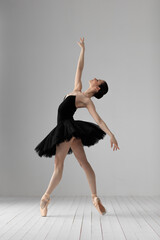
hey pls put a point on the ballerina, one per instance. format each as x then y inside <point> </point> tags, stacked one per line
<point>70,135</point>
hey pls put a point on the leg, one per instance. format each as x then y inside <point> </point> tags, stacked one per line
<point>61,152</point>
<point>78,150</point>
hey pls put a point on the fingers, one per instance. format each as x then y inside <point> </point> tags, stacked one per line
<point>81,42</point>
<point>115,147</point>
<point>82,39</point>
<point>115,144</point>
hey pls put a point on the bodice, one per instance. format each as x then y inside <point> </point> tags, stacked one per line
<point>67,108</point>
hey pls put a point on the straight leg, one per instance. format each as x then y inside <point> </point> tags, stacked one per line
<point>78,150</point>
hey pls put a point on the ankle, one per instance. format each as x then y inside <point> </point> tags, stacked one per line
<point>47,195</point>
<point>94,195</point>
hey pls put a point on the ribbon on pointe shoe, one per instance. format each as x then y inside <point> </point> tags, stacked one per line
<point>97,203</point>
<point>44,200</point>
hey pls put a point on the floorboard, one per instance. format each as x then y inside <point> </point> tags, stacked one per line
<point>127,218</point>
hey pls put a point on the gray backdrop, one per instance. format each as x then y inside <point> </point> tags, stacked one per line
<point>39,55</point>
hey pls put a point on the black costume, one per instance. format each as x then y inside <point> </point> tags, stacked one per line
<point>89,133</point>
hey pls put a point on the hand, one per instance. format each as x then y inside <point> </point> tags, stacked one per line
<point>81,43</point>
<point>113,140</point>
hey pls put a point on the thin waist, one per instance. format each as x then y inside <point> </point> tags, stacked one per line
<point>67,118</point>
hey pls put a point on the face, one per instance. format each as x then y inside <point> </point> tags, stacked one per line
<point>95,82</point>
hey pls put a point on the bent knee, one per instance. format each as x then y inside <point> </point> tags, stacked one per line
<point>83,162</point>
<point>58,168</point>
<point>58,163</point>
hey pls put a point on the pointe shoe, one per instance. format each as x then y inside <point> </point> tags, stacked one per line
<point>45,200</point>
<point>97,203</point>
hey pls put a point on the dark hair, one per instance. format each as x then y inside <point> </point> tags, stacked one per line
<point>102,91</point>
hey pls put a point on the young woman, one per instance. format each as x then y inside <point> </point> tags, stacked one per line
<point>70,136</point>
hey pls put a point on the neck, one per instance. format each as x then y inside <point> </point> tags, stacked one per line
<point>88,93</point>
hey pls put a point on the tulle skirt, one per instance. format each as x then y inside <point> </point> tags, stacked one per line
<point>89,133</point>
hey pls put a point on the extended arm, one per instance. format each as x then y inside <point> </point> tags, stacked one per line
<point>80,65</point>
<point>92,110</point>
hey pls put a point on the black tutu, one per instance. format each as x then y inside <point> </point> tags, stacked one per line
<point>89,133</point>
<point>67,127</point>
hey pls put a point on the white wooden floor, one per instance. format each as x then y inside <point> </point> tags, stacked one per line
<point>76,218</point>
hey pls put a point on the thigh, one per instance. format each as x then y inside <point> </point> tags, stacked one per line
<point>78,150</point>
<point>62,150</point>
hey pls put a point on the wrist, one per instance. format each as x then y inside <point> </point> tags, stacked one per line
<point>111,134</point>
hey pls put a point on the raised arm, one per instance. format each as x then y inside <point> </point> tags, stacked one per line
<point>80,65</point>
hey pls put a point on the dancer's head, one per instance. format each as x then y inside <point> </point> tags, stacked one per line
<point>99,87</point>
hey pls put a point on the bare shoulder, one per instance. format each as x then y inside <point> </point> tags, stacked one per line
<point>85,102</point>
<point>76,93</point>
<point>81,100</point>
